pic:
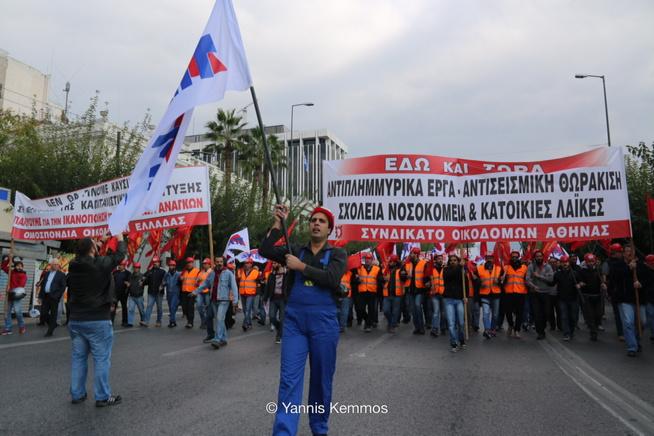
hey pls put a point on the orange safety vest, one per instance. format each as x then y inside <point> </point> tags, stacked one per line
<point>247,284</point>
<point>346,282</point>
<point>437,283</point>
<point>515,280</point>
<point>368,280</point>
<point>399,289</point>
<point>189,280</point>
<point>202,276</point>
<point>489,280</point>
<point>420,273</point>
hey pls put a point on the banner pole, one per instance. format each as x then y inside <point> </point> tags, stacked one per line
<point>211,243</point>
<point>266,153</point>
<point>465,303</point>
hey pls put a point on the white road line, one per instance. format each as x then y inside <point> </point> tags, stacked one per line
<point>48,341</point>
<point>204,346</point>
<point>362,353</point>
<point>630,410</point>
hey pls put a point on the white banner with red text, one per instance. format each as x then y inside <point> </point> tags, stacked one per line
<point>422,198</point>
<point>84,213</point>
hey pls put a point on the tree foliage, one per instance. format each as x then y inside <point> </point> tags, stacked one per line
<point>639,169</point>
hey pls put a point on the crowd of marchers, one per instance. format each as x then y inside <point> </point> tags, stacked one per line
<point>442,295</point>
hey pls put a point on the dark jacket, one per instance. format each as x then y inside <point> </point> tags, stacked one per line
<point>120,277</point>
<point>153,279</point>
<point>135,289</point>
<point>453,282</point>
<point>646,279</point>
<point>269,286</point>
<point>325,276</point>
<point>620,282</point>
<point>592,281</point>
<point>566,284</point>
<point>57,287</point>
<point>90,291</point>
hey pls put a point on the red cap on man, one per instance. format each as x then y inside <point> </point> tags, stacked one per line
<point>328,213</point>
<point>137,265</point>
<point>393,258</point>
<point>649,259</point>
<point>415,250</point>
<point>206,261</point>
<point>156,259</point>
<point>564,258</point>
<point>189,260</point>
<point>616,248</point>
<point>589,257</point>
<point>366,255</point>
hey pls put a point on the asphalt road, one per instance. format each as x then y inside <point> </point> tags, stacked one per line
<point>172,384</point>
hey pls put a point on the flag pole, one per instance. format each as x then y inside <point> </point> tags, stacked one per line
<point>10,267</point>
<point>211,243</point>
<point>266,153</point>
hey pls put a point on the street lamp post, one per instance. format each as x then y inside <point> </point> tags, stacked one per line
<point>606,106</point>
<point>288,175</point>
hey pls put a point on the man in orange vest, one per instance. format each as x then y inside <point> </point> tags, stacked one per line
<point>247,278</point>
<point>515,288</point>
<point>393,292</point>
<point>370,281</point>
<point>417,285</point>
<point>490,277</point>
<point>203,296</point>
<point>437,288</point>
<point>346,300</point>
<point>189,285</point>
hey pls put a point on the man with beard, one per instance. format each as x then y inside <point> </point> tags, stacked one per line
<point>566,289</point>
<point>369,280</point>
<point>172,284</point>
<point>490,277</point>
<point>540,277</point>
<point>393,291</point>
<point>417,285</point>
<point>121,279</point>
<point>515,289</point>
<point>590,286</point>
<point>622,286</point>
<point>153,279</point>
<point>453,295</point>
<point>437,289</point>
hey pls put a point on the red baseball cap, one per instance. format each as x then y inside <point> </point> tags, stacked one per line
<point>649,259</point>
<point>564,258</point>
<point>156,259</point>
<point>616,247</point>
<point>393,258</point>
<point>415,250</point>
<point>206,260</point>
<point>189,260</point>
<point>589,257</point>
<point>328,213</point>
<point>137,265</point>
<point>366,255</point>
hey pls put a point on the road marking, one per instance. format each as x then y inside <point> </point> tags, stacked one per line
<point>48,341</point>
<point>204,346</point>
<point>630,410</point>
<point>362,353</point>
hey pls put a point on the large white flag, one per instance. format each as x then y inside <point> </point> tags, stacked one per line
<point>239,241</point>
<point>218,65</point>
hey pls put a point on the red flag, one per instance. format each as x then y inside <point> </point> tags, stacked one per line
<point>177,244</point>
<point>112,243</point>
<point>548,247</point>
<point>281,240</point>
<point>529,251</point>
<point>384,250</point>
<point>650,209</point>
<point>483,248</point>
<point>154,239</point>
<point>353,261</point>
<point>605,244</point>
<point>134,240</point>
<point>502,253</point>
<point>339,243</point>
<point>450,247</point>
<point>576,245</point>
<point>268,267</point>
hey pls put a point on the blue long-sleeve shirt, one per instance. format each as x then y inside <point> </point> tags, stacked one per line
<point>171,282</point>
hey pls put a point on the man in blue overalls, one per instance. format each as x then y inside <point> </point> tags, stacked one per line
<point>311,321</point>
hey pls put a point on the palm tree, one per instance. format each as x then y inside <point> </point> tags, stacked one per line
<point>227,133</point>
<point>257,161</point>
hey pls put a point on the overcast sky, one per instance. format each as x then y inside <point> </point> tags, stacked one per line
<point>483,79</point>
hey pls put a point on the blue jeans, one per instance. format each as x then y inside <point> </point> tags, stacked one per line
<point>97,338</point>
<point>344,311</point>
<point>474,308</point>
<point>418,317</point>
<point>173,303</point>
<point>202,302</point>
<point>276,309</point>
<point>392,310</point>
<point>17,306</point>
<point>133,303</point>
<point>491,308</point>
<point>152,299</point>
<point>219,310</point>
<point>628,317</point>
<point>436,301</point>
<point>261,310</point>
<point>569,311</point>
<point>454,313</point>
<point>248,303</point>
